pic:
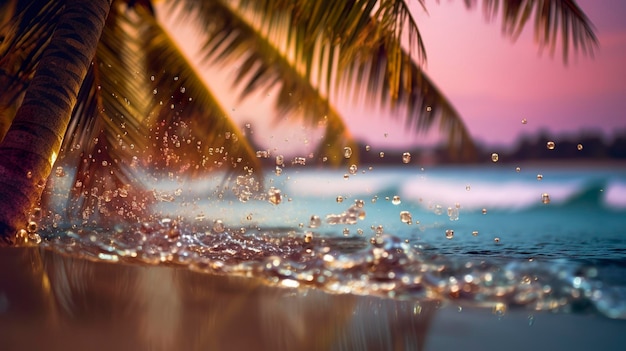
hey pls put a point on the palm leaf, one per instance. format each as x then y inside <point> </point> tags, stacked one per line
<point>552,17</point>
<point>372,53</point>
<point>142,106</point>
<point>196,132</point>
<point>414,94</point>
<point>263,65</point>
<point>107,133</point>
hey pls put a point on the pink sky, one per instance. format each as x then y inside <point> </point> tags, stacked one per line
<point>494,83</point>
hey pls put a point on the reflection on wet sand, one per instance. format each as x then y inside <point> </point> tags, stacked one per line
<point>52,301</point>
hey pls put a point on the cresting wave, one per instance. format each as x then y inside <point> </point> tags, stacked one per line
<point>504,189</point>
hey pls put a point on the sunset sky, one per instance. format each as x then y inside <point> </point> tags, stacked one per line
<point>492,81</point>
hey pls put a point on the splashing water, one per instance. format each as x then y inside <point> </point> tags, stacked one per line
<point>383,266</point>
<point>397,257</point>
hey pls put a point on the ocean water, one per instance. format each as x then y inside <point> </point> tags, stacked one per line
<point>535,237</point>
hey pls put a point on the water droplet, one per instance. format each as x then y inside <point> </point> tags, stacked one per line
<point>218,226</point>
<point>29,174</point>
<point>59,172</point>
<point>468,188</point>
<point>524,121</point>
<point>361,215</point>
<point>545,198</point>
<point>280,160</point>
<point>368,148</point>
<point>353,169</point>
<point>278,171</point>
<point>539,176</point>
<point>517,169</point>
<point>499,309</point>
<point>495,157</point>
<point>347,152</point>
<point>23,234</point>
<point>274,196</point>
<point>496,240</point>
<point>35,212</point>
<point>396,200</point>
<point>299,161</point>
<point>34,237</point>
<point>550,145</point>
<point>449,234</point>
<point>405,217</point>
<point>123,192</point>
<point>484,211</point>
<point>579,147</point>
<point>339,199</point>
<point>262,154</point>
<point>429,108</point>
<point>475,233</point>
<point>346,231</point>
<point>381,154</point>
<point>359,203</point>
<point>31,227</point>
<point>406,157</point>
<point>315,222</point>
<point>453,213</point>
<point>308,237</point>
<point>105,163</point>
<point>107,196</point>
<point>346,176</point>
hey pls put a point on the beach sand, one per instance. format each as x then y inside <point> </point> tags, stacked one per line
<point>54,302</point>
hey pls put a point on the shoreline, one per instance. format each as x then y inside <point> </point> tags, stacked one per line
<point>73,303</point>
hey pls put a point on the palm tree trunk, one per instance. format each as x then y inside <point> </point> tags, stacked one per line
<point>33,141</point>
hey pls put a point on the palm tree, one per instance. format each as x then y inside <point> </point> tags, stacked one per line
<point>131,99</point>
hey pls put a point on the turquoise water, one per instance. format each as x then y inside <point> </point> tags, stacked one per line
<point>537,237</point>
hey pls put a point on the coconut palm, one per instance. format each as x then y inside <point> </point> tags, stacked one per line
<point>131,100</point>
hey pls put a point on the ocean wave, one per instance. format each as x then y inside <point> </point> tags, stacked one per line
<point>471,191</point>
<point>615,195</point>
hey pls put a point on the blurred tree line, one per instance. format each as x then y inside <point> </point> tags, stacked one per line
<point>583,146</point>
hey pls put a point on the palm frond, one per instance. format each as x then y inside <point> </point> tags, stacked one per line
<point>195,131</point>
<point>413,94</point>
<point>107,135</point>
<point>142,107</point>
<point>552,18</point>
<point>372,54</point>
<point>262,65</point>
<point>299,29</point>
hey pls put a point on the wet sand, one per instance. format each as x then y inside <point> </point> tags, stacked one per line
<point>53,302</point>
